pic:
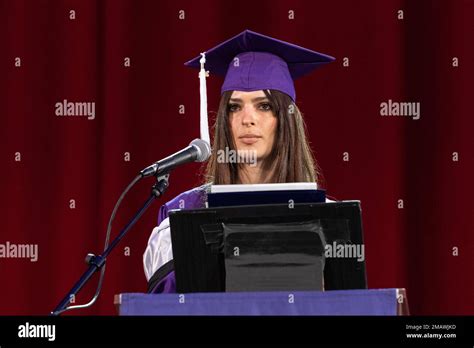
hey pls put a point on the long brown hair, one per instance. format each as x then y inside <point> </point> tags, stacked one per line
<point>290,160</point>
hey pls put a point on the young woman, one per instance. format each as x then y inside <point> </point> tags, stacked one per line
<point>257,115</point>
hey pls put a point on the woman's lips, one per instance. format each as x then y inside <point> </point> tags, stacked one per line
<point>249,140</point>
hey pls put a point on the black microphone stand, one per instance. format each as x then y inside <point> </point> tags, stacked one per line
<point>97,262</point>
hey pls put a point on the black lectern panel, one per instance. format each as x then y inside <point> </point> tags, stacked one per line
<point>203,247</point>
<point>273,256</point>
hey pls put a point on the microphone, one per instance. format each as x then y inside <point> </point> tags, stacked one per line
<point>197,151</point>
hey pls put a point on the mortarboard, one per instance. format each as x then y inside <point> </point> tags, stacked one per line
<point>251,61</point>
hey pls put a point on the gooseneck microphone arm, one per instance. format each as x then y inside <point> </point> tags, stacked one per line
<point>197,151</point>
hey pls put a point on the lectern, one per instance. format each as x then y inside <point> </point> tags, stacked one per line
<point>270,259</point>
<point>335,302</point>
<point>269,248</point>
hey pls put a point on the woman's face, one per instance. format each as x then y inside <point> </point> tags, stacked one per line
<point>253,122</point>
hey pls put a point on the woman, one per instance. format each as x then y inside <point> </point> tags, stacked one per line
<point>257,114</point>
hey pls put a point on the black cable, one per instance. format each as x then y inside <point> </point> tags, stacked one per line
<point>107,239</point>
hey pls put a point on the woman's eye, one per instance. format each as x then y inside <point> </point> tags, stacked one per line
<point>233,107</point>
<point>265,106</point>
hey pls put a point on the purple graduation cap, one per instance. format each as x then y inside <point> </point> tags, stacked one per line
<point>251,61</point>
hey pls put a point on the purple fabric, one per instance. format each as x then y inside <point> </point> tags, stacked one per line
<point>339,302</point>
<point>192,199</point>
<point>166,285</point>
<point>256,71</point>
<point>251,61</point>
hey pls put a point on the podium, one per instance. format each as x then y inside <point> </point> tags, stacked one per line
<point>387,302</point>
<point>268,260</point>
<point>273,247</point>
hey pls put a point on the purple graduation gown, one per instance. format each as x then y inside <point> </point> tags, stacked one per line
<point>193,199</point>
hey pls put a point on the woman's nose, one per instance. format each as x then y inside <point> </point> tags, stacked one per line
<point>249,115</point>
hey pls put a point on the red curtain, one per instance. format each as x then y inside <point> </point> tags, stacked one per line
<point>60,176</point>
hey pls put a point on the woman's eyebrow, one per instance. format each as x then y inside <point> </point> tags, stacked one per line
<point>257,99</point>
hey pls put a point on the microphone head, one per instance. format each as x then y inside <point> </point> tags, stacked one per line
<point>204,149</point>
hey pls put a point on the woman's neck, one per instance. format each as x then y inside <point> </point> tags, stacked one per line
<point>249,174</point>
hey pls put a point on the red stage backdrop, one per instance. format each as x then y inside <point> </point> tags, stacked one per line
<point>61,175</point>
